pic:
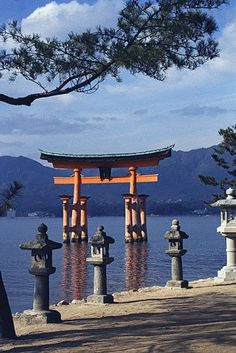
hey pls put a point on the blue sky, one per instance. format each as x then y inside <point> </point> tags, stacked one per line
<point>187,109</point>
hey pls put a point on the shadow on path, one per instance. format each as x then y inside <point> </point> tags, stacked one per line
<point>187,323</point>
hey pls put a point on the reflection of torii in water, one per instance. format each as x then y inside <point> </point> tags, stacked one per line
<point>135,209</point>
<point>74,271</point>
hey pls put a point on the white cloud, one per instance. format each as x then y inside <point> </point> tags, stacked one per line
<point>197,110</point>
<point>59,19</point>
<point>10,145</point>
<point>66,99</point>
<point>227,42</point>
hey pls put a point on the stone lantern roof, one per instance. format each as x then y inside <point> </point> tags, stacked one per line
<point>101,238</point>
<point>41,242</point>
<point>229,202</point>
<point>175,233</point>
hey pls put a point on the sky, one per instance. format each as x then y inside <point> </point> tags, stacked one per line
<point>138,114</point>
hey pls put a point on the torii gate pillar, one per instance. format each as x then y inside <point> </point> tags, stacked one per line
<point>65,207</point>
<point>84,218</point>
<point>75,217</point>
<point>128,219</point>
<point>134,205</point>
<point>143,216</point>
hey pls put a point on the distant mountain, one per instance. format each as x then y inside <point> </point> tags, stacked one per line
<point>179,188</point>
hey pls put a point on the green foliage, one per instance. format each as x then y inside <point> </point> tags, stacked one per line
<point>9,195</point>
<point>150,37</point>
<point>225,157</point>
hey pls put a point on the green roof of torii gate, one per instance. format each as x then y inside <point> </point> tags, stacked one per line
<point>145,158</point>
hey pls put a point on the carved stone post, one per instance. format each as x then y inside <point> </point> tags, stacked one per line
<point>176,251</point>
<point>100,259</point>
<point>41,267</point>
<point>65,207</point>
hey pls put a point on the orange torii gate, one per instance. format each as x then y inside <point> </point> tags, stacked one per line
<point>135,205</point>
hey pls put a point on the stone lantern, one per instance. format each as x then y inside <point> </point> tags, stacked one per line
<point>41,267</point>
<point>228,230</point>
<point>176,251</point>
<point>100,259</point>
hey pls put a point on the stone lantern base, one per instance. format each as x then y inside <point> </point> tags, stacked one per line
<point>29,317</point>
<point>100,299</point>
<point>227,273</point>
<point>177,284</point>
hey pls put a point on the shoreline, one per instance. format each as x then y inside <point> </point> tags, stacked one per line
<point>63,302</point>
<point>151,319</point>
<point>118,216</point>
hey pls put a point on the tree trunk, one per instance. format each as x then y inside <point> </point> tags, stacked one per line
<point>7,329</point>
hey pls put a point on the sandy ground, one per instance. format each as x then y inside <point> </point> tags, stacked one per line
<point>200,319</point>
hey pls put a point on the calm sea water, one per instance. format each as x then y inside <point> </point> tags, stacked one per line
<point>135,265</point>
